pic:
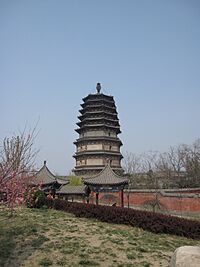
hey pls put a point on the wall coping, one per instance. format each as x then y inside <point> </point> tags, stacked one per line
<point>162,190</point>
<point>178,193</point>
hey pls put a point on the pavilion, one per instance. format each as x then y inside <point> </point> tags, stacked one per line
<point>106,181</point>
<point>48,181</point>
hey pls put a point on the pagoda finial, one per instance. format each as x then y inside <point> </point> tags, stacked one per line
<point>98,87</point>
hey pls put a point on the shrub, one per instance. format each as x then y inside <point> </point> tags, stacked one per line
<point>45,262</point>
<point>150,221</point>
<point>35,198</point>
<point>75,180</point>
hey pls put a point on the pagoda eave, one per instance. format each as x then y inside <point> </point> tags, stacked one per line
<point>97,106</point>
<point>94,119</point>
<point>97,152</point>
<point>96,167</point>
<point>81,117</point>
<point>116,128</point>
<point>101,95</point>
<point>96,138</point>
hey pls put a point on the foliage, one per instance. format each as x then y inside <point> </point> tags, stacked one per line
<point>153,222</point>
<point>34,198</point>
<point>75,180</point>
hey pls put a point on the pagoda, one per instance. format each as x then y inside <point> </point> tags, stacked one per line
<point>98,128</point>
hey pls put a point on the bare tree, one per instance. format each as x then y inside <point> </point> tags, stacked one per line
<point>150,168</point>
<point>131,163</point>
<point>171,167</point>
<point>179,167</point>
<point>164,169</point>
<point>149,161</point>
<point>133,167</point>
<point>176,156</point>
<point>139,167</point>
<point>191,162</point>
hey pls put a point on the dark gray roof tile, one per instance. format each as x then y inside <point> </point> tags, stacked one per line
<point>72,190</point>
<point>45,176</point>
<point>106,177</point>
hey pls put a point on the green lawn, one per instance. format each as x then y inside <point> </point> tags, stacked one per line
<point>54,238</point>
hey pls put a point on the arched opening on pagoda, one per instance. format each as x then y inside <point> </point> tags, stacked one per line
<point>107,181</point>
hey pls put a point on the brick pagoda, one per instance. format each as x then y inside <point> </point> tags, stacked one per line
<point>98,130</point>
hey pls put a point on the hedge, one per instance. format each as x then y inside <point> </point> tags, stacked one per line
<point>150,221</point>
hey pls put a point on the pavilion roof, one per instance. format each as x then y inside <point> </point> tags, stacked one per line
<point>72,190</point>
<point>45,176</point>
<point>106,177</point>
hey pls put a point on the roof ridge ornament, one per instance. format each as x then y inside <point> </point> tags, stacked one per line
<point>98,87</point>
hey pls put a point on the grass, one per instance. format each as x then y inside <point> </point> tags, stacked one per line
<point>55,238</point>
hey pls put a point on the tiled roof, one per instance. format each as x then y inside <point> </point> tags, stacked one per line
<point>45,176</point>
<point>72,190</point>
<point>97,96</point>
<point>106,177</point>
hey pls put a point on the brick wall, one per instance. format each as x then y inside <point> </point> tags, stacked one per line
<point>172,200</point>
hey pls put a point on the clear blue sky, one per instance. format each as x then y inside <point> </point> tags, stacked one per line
<point>145,53</point>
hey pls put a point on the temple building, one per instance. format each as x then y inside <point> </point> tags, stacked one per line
<point>98,143</point>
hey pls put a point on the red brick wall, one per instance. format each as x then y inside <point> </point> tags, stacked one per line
<point>179,201</point>
<point>181,204</point>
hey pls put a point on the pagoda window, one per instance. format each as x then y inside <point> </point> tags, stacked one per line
<point>110,147</point>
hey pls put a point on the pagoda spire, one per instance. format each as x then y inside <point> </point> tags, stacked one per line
<point>98,87</point>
